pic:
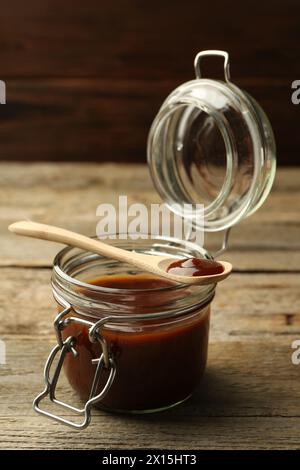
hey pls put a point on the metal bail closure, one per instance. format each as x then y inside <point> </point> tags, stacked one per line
<point>69,347</point>
<point>198,73</point>
<point>202,54</point>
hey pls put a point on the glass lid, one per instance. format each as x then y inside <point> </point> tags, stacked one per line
<point>212,144</point>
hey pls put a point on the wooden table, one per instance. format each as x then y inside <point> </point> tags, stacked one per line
<point>250,396</point>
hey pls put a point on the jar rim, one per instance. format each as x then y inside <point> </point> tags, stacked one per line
<point>62,274</point>
<point>183,298</point>
<point>97,288</point>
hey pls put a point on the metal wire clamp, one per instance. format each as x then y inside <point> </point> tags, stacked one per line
<point>68,346</point>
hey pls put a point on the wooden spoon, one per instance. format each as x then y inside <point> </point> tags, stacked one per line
<point>150,263</point>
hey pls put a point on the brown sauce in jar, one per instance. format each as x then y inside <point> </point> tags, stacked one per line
<point>157,365</point>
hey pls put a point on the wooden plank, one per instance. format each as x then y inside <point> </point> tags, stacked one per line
<point>264,261</point>
<point>268,240</point>
<point>87,86</point>
<point>263,257</point>
<point>145,433</point>
<point>239,381</point>
<point>246,306</point>
<point>249,398</point>
<point>79,119</point>
<point>96,119</point>
<point>155,41</point>
<point>121,177</point>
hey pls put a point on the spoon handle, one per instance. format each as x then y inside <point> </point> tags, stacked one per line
<point>60,235</point>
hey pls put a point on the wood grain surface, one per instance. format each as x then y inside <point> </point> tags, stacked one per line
<point>250,395</point>
<point>84,82</point>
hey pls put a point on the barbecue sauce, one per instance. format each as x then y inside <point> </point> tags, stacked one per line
<point>157,365</point>
<point>195,267</point>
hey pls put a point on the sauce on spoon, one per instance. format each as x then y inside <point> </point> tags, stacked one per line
<point>195,267</point>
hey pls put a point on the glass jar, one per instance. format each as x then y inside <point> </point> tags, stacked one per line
<point>144,349</point>
<point>155,336</point>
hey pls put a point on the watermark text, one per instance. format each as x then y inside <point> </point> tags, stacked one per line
<point>140,221</point>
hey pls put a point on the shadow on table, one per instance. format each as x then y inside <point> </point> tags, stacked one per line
<point>219,395</point>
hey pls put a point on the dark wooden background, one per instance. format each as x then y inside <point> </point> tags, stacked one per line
<point>86,78</point>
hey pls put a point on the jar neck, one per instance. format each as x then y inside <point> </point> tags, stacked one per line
<point>74,269</point>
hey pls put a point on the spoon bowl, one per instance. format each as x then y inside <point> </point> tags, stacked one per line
<point>164,263</point>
